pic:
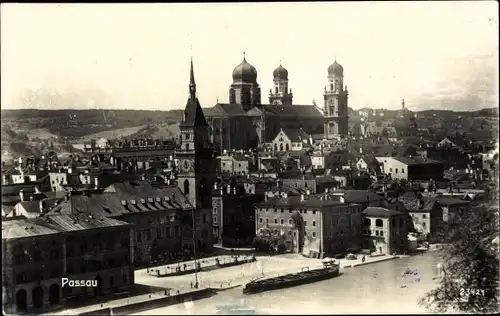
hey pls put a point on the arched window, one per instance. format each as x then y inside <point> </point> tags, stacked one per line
<point>276,89</point>
<point>379,223</point>
<point>276,147</point>
<point>368,222</point>
<point>331,87</point>
<point>287,147</point>
<point>281,146</point>
<point>186,187</point>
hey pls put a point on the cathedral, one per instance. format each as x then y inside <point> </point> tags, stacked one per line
<point>245,122</point>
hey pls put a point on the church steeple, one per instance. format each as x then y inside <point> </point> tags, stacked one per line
<point>192,83</point>
<point>193,113</point>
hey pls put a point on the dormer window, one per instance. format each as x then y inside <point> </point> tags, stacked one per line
<point>150,200</point>
<point>167,199</point>
<point>132,201</point>
<point>158,199</point>
<point>143,201</point>
<point>124,202</point>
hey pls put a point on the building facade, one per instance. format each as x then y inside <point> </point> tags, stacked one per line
<point>39,252</point>
<point>335,107</point>
<point>385,230</point>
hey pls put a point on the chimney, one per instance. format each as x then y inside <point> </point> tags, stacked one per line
<point>21,195</point>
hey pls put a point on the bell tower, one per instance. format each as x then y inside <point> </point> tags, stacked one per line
<point>197,172</point>
<point>281,95</point>
<point>335,107</point>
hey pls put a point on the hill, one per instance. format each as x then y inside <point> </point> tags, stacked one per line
<point>73,124</point>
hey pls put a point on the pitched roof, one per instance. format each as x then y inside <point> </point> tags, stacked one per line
<point>295,135</point>
<point>416,160</point>
<point>20,228</point>
<point>193,114</point>
<point>380,212</point>
<point>123,198</point>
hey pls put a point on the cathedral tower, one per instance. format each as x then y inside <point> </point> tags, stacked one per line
<point>196,170</point>
<point>245,90</point>
<point>335,107</point>
<point>281,95</point>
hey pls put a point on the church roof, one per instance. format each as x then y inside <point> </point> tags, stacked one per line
<point>234,109</point>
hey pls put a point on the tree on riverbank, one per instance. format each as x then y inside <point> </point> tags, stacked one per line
<point>470,266</point>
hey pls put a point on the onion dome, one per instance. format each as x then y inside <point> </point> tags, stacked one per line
<point>280,73</point>
<point>336,69</point>
<point>245,72</point>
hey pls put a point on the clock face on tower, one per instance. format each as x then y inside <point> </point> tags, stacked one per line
<point>186,165</point>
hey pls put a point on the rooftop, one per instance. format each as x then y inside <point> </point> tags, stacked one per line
<point>21,228</point>
<point>380,212</point>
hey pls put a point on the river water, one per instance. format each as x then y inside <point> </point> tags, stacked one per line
<point>375,288</point>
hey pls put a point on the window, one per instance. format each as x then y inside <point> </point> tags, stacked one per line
<point>282,210</point>
<point>276,147</point>
<point>314,212</point>
<point>290,222</point>
<point>379,223</point>
<point>239,165</point>
<point>381,233</point>
<point>281,147</point>
<point>187,136</point>
<point>158,233</point>
<point>402,170</point>
<point>305,223</point>
<point>276,90</point>
<point>314,223</point>
<point>148,234</point>
<point>276,221</point>
<point>282,221</point>
<point>331,87</point>
<point>423,224</point>
<point>424,216</point>
<point>396,170</point>
<point>138,236</point>
<point>376,233</point>
<point>390,169</point>
<point>186,187</point>
<point>287,147</point>
<point>187,146</point>
<point>305,184</point>
<point>267,220</point>
<point>314,234</point>
<point>223,164</point>
<point>215,219</point>
<point>260,220</point>
<point>275,210</point>
<point>367,222</point>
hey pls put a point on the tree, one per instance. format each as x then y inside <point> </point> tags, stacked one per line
<point>470,262</point>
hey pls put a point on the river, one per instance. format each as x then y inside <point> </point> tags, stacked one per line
<point>375,288</point>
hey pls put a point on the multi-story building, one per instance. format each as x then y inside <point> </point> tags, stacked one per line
<point>326,226</point>
<point>412,168</point>
<point>234,215</point>
<point>426,214</point>
<point>235,163</point>
<point>291,140</point>
<point>385,231</point>
<point>37,253</point>
<point>309,182</point>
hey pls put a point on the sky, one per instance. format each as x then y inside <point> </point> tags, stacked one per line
<point>136,56</point>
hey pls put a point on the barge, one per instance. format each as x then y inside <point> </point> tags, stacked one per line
<point>294,279</point>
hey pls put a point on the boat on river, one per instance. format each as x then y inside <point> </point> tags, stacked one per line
<point>328,271</point>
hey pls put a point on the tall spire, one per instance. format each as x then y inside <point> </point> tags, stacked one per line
<point>192,84</point>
